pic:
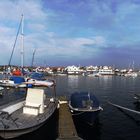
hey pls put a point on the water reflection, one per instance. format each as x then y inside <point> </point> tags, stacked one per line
<point>73,81</point>
<point>88,132</point>
<point>137,122</point>
<point>106,80</point>
<point>137,105</point>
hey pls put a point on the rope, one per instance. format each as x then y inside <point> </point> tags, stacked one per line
<point>78,113</point>
<point>121,107</point>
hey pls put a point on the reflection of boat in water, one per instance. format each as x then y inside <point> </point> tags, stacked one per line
<point>85,107</point>
<point>88,132</point>
<point>24,116</point>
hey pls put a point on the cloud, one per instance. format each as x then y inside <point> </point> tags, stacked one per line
<point>69,31</point>
<point>10,15</point>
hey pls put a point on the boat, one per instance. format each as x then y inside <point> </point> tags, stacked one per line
<point>15,82</point>
<point>84,107</point>
<point>95,74</point>
<point>131,74</point>
<point>25,82</point>
<point>26,115</point>
<point>39,83</point>
<point>38,79</point>
<point>17,79</point>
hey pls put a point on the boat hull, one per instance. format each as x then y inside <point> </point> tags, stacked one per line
<point>13,133</point>
<point>84,107</point>
<point>86,116</point>
<point>7,134</point>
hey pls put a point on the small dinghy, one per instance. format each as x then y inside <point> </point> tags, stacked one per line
<point>84,106</point>
<point>24,116</point>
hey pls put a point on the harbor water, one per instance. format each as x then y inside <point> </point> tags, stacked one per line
<point>112,124</point>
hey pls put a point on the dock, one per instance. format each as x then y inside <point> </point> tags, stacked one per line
<point>66,127</point>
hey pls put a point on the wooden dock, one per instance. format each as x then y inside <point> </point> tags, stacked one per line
<point>66,126</point>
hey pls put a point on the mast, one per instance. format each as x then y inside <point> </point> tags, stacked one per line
<point>15,41</point>
<point>22,42</point>
<point>33,57</point>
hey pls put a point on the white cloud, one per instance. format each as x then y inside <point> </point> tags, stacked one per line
<point>69,47</point>
<point>48,43</point>
<point>10,14</point>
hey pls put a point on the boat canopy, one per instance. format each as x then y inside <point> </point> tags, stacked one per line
<point>17,79</point>
<point>83,100</point>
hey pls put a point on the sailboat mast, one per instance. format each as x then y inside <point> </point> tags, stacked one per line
<point>22,42</point>
<point>15,41</point>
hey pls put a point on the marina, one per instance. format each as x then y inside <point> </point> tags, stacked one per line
<point>116,89</point>
<point>69,70</point>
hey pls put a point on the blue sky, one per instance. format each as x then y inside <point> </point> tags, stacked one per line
<point>72,32</point>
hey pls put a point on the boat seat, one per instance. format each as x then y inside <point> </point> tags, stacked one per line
<point>34,103</point>
<point>12,108</point>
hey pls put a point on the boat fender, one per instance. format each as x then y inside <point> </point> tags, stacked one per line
<point>71,111</point>
<point>58,106</point>
<point>51,99</point>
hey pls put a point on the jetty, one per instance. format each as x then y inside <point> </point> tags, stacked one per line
<point>66,127</point>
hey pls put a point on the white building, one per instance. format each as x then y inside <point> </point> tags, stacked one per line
<point>106,70</point>
<point>72,70</point>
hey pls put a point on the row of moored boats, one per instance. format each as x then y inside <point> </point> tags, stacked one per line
<point>34,110</point>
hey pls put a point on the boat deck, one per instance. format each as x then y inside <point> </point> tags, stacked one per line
<point>18,120</point>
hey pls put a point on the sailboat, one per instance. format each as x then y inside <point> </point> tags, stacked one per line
<point>17,79</point>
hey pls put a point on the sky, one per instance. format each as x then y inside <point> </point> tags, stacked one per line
<point>71,32</point>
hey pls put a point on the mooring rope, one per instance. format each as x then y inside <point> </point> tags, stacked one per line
<point>77,113</point>
<point>121,107</point>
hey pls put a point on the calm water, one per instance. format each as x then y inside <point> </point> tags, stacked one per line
<point>113,123</point>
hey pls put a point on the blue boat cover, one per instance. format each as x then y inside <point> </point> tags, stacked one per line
<point>83,99</point>
<point>37,76</point>
<point>17,79</point>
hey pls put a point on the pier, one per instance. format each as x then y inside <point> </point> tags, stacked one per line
<point>66,127</point>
